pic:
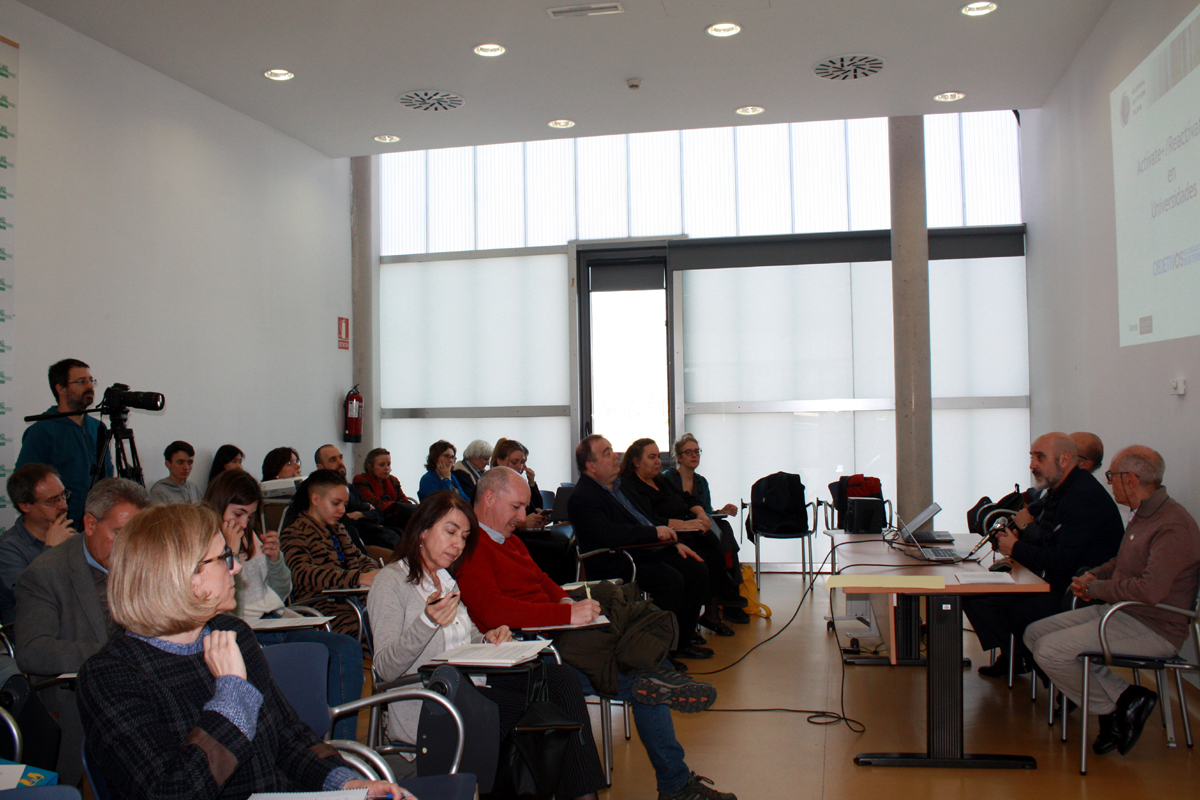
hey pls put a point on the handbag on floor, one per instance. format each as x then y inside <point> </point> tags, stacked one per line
<point>532,754</point>
<point>749,590</point>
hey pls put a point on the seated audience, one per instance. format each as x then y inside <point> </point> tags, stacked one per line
<point>1157,563</point>
<point>603,517</point>
<point>38,494</point>
<point>657,498</point>
<point>227,457</point>
<point>501,585</point>
<point>416,615</point>
<point>366,519</point>
<point>474,462</point>
<point>1079,527</point>
<point>175,488</point>
<point>62,608</point>
<point>320,552</point>
<point>182,704</point>
<point>265,581</point>
<point>439,475</point>
<point>379,487</point>
<point>512,454</point>
<point>282,462</point>
<point>685,478</point>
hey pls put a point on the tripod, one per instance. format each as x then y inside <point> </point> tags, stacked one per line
<point>127,465</point>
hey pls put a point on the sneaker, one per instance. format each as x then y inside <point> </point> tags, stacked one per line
<point>698,787</point>
<point>673,689</point>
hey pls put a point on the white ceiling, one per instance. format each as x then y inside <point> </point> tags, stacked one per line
<point>354,58</point>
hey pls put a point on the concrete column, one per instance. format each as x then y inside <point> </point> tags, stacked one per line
<point>910,316</point>
<point>364,281</point>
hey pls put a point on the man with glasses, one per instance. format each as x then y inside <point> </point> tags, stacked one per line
<point>37,492</point>
<point>68,443</point>
<point>62,607</point>
<point>1157,563</point>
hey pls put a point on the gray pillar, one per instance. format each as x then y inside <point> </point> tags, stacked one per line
<point>364,279</point>
<point>910,315</point>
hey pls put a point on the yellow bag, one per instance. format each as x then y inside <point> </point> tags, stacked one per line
<point>749,590</point>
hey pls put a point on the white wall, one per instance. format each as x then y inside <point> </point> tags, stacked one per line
<point>1080,378</point>
<point>177,246</point>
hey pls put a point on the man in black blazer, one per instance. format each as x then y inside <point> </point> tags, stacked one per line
<point>62,607</point>
<point>1077,526</point>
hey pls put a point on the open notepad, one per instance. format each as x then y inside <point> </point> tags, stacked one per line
<point>494,655</point>
<point>345,794</point>
<point>599,622</point>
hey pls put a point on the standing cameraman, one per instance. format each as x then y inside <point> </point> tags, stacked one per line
<point>68,443</point>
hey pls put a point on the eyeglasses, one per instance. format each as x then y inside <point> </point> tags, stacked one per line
<point>82,382</point>
<point>1109,475</point>
<point>692,452</point>
<point>51,502</point>
<point>226,556</point>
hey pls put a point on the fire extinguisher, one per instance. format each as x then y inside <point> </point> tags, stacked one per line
<point>353,407</point>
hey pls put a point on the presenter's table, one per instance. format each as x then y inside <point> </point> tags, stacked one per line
<point>869,566</point>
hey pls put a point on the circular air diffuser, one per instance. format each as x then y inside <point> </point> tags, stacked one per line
<point>430,100</point>
<point>848,68</point>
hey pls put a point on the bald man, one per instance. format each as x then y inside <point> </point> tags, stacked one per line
<point>1157,563</point>
<point>1079,527</point>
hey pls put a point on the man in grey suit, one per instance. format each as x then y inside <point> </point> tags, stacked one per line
<point>62,607</point>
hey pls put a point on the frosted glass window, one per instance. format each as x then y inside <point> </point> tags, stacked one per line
<point>992,168</point>
<point>767,333</point>
<point>402,181</point>
<point>943,171</point>
<point>655,202</point>
<point>603,187</point>
<point>764,190</point>
<point>451,192</point>
<point>550,192</point>
<point>874,450</point>
<point>871,298</point>
<point>549,439</point>
<point>978,330</point>
<point>708,183</point>
<point>867,174</point>
<point>975,453</point>
<point>475,332</point>
<point>629,365</point>
<point>500,196</point>
<point>819,176</point>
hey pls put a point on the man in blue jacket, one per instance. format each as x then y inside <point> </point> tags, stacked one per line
<point>1078,526</point>
<point>68,443</point>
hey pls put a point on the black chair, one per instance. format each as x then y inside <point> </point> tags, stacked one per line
<point>778,511</point>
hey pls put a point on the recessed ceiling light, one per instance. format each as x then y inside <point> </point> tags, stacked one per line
<point>978,9</point>
<point>723,29</point>
<point>489,50</point>
<point>749,111</point>
<point>949,97</point>
<point>279,74</point>
<point>387,138</point>
<point>561,123</point>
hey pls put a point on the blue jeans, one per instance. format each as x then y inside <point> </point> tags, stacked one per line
<point>657,732</point>
<point>345,679</point>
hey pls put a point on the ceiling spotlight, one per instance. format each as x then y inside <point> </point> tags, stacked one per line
<point>978,9</point>
<point>561,123</point>
<point>949,97</point>
<point>750,111</point>
<point>387,138</point>
<point>279,74</point>
<point>489,50</point>
<point>723,29</point>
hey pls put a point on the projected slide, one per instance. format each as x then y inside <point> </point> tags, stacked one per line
<point>1156,170</point>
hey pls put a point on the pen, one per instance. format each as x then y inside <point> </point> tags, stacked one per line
<point>587,587</point>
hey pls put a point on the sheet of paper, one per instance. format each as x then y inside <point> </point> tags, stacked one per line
<point>599,622</point>
<point>886,581</point>
<point>287,623</point>
<point>349,794</point>
<point>497,655</point>
<point>10,774</point>
<point>984,577</point>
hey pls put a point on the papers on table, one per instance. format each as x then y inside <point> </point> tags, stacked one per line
<point>493,655</point>
<point>599,622</point>
<point>10,775</point>
<point>984,577</point>
<point>287,623</point>
<point>860,581</point>
<point>346,794</point>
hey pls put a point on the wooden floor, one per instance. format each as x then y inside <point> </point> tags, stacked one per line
<point>772,755</point>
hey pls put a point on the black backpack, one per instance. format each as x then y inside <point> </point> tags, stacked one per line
<point>777,505</point>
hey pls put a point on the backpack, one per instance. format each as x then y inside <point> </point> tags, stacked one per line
<point>856,486</point>
<point>777,505</point>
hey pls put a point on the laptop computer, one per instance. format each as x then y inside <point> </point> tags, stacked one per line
<point>910,532</point>
<point>946,555</point>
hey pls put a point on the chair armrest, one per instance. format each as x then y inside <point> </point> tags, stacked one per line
<point>358,755</point>
<point>397,695</point>
<point>828,507</point>
<point>1125,604</point>
<point>403,680</point>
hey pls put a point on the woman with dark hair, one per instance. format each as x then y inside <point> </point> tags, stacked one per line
<point>227,457</point>
<point>181,704</point>
<point>439,475</point>
<point>416,615</point>
<point>643,483</point>
<point>512,454</point>
<point>282,462</point>
<point>379,487</point>
<point>265,580</point>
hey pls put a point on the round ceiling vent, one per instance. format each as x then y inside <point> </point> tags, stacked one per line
<point>430,100</point>
<point>848,68</point>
